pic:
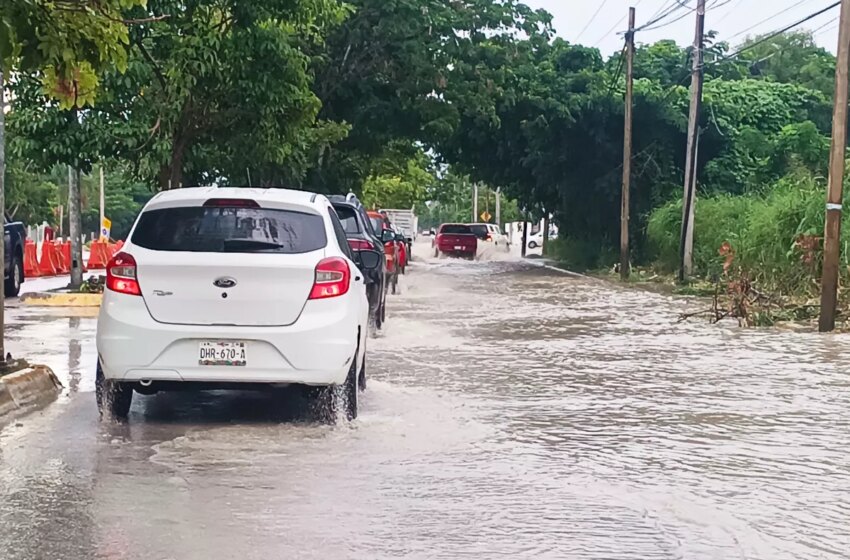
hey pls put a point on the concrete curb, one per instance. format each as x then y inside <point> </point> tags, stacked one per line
<point>61,299</point>
<point>27,388</point>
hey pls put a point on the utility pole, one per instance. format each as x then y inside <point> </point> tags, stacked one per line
<point>499,207</point>
<point>102,203</point>
<point>75,230</point>
<point>474,202</point>
<point>545,231</point>
<point>686,242</point>
<point>524,233</point>
<point>627,151</point>
<point>832,230</point>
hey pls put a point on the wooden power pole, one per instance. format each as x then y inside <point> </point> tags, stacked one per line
<point>686,243</point>
<point>474,202</point>
<point>2,204</point>
<point>627,151</point>
<point>832,231</point>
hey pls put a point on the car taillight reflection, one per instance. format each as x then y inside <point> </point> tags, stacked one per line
<point>121,275</point>
<point>332,278</point>
<point>360,245</point>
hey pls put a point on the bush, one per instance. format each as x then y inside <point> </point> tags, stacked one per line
<point>775,236</point>
<point>582,254</point>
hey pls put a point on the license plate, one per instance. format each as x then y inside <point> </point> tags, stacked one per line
<point>219,353</point>
<point>458,248</point>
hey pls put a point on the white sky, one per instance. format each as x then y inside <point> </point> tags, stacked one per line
<point>727,17</point>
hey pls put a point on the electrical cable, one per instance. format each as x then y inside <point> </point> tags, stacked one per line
<point>765,20</point>
<point>592,18</point>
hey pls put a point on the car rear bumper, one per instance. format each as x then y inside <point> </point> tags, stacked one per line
<point>453,249</point>
<point>316,350</point>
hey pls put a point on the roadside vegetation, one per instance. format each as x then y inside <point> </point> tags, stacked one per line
<point>408,103</point>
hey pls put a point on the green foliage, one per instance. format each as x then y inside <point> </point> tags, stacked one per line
<point>767,232</point>
<point>580,254</point>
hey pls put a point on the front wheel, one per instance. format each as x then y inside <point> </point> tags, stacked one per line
<point>113,397</point>
<point>436,253</point>
<point>16,277</point>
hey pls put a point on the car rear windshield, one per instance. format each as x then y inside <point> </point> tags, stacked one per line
<point>377,224</point>
<point>348,219</point>
<point>456,228</point>
<point>230,230</point>
<point>479,231</point>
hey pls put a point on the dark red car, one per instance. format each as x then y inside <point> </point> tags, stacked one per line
<point>456,240</point>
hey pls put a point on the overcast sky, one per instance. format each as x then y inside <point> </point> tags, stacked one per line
<point>579,22</point>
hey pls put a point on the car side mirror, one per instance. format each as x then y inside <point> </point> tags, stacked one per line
<point>368,260</point>
<point>387,236</point>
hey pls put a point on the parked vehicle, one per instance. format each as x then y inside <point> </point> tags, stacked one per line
<point>13,273</point>
<point>358,230</point>
<point>380,223</point>
<point>234,288</point>
<point>490,233</point>
<point>455,240</point>
<point>536,240</point>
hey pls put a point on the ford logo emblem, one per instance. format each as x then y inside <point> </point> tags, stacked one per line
<point>224,282</point>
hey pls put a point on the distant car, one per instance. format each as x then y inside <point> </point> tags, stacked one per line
<point>490,233</point>
<point>403,250</point>
<point>15,235</point>
<point>536,240</point>
<point>455,240</point>
<point>234,288</point>
<point>358,230</point>
<point>380,223</point>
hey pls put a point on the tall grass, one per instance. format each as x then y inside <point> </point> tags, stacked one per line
<point>762,230</point>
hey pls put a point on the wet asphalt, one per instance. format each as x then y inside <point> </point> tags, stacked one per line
<point>512,411</point>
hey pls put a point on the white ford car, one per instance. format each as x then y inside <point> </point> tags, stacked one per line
<point>234,288</point>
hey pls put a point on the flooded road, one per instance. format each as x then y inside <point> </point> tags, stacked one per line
<point>512,411</point>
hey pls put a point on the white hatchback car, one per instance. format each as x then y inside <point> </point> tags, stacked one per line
<point>234,288</point>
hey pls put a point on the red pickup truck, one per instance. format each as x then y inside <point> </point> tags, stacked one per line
<point>457,240</point>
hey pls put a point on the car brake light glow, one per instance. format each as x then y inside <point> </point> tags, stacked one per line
<point>332,278</point>
<point>231,203</point>
<point>360,245</point>
<point>121,275</point>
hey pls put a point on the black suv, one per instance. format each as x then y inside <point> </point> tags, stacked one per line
<point>360,235</point>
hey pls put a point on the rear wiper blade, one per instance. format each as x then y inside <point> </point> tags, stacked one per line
<point>234,244</point>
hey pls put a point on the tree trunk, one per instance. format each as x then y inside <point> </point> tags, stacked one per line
<point>2,207</point>
<point>75,230</point>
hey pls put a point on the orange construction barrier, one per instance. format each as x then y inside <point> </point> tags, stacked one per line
<point>63,261</point>
<point>47,262</point>
<point>30,260</point>
<point>99,256</point>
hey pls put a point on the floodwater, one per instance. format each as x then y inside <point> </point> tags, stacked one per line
<point>512,411</point>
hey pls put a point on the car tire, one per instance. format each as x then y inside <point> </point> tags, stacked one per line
<point>436,253</point>
<point>12,286</point>
<point>362,379</point>
<point>332,397</point>
<point>113,397</point>
<point>384,309</point>
<point>395,284</point>
<point>532,244</point>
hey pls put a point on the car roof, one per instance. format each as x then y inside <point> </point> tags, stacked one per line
<point>196,195</point>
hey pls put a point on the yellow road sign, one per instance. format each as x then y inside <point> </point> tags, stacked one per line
<point>485,216</point>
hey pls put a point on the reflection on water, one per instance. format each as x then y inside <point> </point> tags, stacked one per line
<point>512,412</point>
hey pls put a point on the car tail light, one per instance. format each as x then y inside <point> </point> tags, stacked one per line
<point>360,245</point>
<point>231,203</point>
<point>332,278</point>
<point>121,275</point>
<point>489,237</point>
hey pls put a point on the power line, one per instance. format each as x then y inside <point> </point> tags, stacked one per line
<point>767,38</point>
<point>593,17</point>
<point>615,26</point>
<point>767,19</point>
<point>728,13</point>
<point>618,72</point>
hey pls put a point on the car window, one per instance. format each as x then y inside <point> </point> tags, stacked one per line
<point>377,224</point>
<point>340,233</point>
<point>479,230</point>
<point>229,230</point>
<point>456,228</point>
<point>348,218</point>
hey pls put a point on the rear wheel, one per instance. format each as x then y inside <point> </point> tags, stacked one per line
<point>395,283</point>
<point>12,286</point>
<point>436,253</point>
<point>334,397</point>
<point>362,379</point>
<point>113,397</point>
